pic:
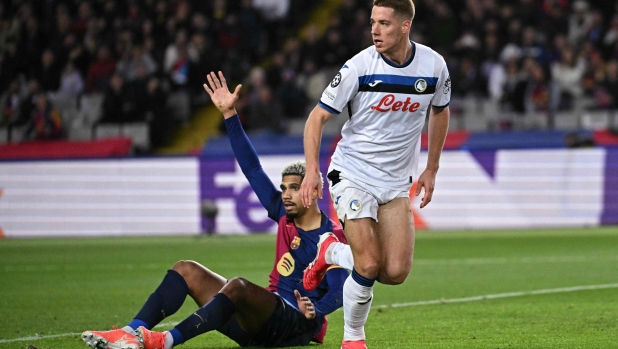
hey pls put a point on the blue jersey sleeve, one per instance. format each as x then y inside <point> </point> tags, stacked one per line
<point>250,165</point>
<point>333,299</point>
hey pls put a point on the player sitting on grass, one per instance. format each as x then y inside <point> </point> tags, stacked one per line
<point>282,314</point>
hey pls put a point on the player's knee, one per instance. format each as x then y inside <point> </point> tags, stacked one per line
<point>186,269</point>
<point>394,275</point>
<point>235,288</point>
<point>368,268</point>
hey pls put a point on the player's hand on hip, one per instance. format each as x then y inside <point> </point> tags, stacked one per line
<point>220,95</point>
<point>426,181</point>
<point>310,183</point>
<point>305,305</point>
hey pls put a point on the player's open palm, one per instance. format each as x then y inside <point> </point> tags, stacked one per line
<point>220,95</point>
<point>305,305</point>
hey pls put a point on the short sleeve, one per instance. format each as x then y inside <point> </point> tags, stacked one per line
<point>442,96</point>
<point>341,90</point>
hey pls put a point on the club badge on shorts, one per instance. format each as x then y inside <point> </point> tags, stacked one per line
<point>356,205</point>
<point>295,244</point>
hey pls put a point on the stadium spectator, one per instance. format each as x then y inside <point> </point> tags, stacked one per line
<point>117,104</point>
<point>274,13</point>
<point>45,122</point>
<point>566,77</point>
<point>265,112</point>
<point>10,102</point>
<point>580,22</point>
<point>139,62</point>
<point>100,71</point>
<point>48,72</point>
<point>606,94</point>
<point>29,102</point>
<point>71,83</point>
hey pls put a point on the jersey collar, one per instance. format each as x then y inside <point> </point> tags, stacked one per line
<point>406,63</point>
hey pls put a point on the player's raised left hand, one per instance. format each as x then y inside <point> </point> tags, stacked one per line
<point>220,95</point>
<point>427,181</point>
<point>305,305</point>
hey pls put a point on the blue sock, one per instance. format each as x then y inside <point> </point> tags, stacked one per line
<point>361,280</point>
<point>178,338</point>
<point>136,323</point>
<point>207,318</point>
<point>163,302</point>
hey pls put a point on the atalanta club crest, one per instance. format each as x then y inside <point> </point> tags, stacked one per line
<point>420,85</point>
<point>295,244</point>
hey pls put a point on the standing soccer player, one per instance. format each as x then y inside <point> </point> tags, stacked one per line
<point>388,88</point>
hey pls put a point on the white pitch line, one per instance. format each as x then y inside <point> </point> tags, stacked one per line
<point>500,295</point>
<point>37,337</point>
<point>395,305</point>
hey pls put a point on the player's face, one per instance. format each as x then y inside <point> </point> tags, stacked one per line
<point>290,194</point>
<point>387,29</point>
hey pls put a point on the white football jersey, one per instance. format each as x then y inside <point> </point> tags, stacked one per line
<point>387,103</point>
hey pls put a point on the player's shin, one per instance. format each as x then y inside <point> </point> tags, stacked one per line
<point>357,298</point>
<point>163,302</point>
<point>208,318</point>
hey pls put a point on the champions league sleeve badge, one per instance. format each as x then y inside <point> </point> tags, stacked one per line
<point>336,80</point>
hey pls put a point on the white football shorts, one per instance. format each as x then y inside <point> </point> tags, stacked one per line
<point>355,199</point>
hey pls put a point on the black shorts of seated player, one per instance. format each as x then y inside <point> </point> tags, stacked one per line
<point>285,328</point>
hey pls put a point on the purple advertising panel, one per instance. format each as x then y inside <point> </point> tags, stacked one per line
<point>610,199</point>
<point>238,210</point>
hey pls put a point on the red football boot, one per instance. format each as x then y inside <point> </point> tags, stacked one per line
<point>353,345</point>
<point>315,271</point>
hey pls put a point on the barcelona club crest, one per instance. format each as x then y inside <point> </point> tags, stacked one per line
<point>295,243</point>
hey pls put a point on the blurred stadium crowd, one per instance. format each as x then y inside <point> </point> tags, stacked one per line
<point>67,67</point>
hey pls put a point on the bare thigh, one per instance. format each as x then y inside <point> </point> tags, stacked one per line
<point>395,232</point>
<point>363,241</point>
<point>254,304</point>
<point>202,282</point>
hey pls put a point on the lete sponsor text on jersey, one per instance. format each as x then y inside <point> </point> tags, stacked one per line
<point>388,103</point>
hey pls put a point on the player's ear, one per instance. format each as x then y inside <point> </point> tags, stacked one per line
<point>405,26</point>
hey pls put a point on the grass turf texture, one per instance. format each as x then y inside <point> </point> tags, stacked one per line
<point>60,286</point>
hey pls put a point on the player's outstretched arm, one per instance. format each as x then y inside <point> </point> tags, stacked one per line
<point>220,95</point>
<point>241,145</point>
<point>438,127</point>
<point>312,139</point>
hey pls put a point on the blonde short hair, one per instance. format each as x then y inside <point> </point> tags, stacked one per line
<point>297,168</point>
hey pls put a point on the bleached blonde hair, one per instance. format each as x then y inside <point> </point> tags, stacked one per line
<point>297,168</point>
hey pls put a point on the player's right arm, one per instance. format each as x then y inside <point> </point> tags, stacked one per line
<point>246,156</point>
<point>312,140</point>
<point>334,98</point>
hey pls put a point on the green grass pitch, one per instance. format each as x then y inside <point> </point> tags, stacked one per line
<point>57,288</point>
